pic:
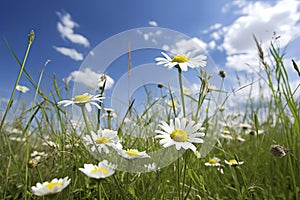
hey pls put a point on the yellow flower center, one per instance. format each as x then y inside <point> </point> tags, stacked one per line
<point>186,90</point>
<point>212,161</point>
<point>51,185</point>
<point>82,98</point>
<point>172,104</point>
<point>132,152</point>
<point>179,135</point>
<point>233,161</point>
<point>103,170</point>
<point>102,140</point>
<point>21,88</point>
<point>180,59</point>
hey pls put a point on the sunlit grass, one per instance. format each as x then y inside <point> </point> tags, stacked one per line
<point>251,171</point>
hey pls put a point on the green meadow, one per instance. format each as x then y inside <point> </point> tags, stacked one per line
<point>255,153</point>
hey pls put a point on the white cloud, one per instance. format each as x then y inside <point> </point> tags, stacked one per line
<point>213,27</point>
<point>211,44</point>
<point>72,53</point>
<point>65,28</point>
<point>91,79</point>
<point>261,19</point>
<point>184,46</point>
<point>215,35</point>
<point>153,23</point>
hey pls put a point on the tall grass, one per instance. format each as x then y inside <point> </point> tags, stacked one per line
<point>49,128</point>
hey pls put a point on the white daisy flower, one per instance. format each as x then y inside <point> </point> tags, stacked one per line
<point>254,132</point>
<point>180,133</point>
<point>214,162</point>
<point>234,162</point>
<point>132,154</point>
<point>245,126</point>
<point>226,136</point>
<point>183,61</point>
<point>102,140</point>
<point>22,89</point>
<point>102,170</point>
<point>55,186</point>
<point>83,100</point>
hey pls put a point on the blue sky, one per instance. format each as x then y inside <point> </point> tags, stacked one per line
<point>222,27</point>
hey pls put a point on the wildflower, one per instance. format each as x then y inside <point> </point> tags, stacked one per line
<point>278,151</point>
<point>197,154</point>
<point>33,162</point>
<point>172,104</point>
<point>102,170</point>
<point>180,133</point>
<point>55,186</point>
<point>245,126</point>
<point>221,169</point>
<point>152,167</point>
<point>234,162</point>
<point>182,61</point>
<point>38,155</point>
<point>239,138</point>
<point>226,135</point>
<point>214,162</point>
<point>83,100</point>
<point>133,154</point>
<point>109,113</point>
<point>50,144</point>
<point>253,132</point>
<point>22,89</point>
<point>17,139</point>
<point>102,140</point>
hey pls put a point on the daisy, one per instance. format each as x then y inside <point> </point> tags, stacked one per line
<point>233,162</point>
<point>183,61</point>
<point>102,140</point>
<point>214,162</point>
<point>83,100</point>
<point>55,186</point>
<point>245,126</point>
<point>226,135</point>
<point>132,154</point>
<point>102,170</point>
<point>180,133</point>
<point>197,154</point>
<point>22,89</point>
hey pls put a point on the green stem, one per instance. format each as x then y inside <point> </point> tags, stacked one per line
<point>181,89</point>
<point>85,118</point>
<point>99,190</point>
<point>30,40</point>
<point>178,178</point>
<point>184,173</point>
